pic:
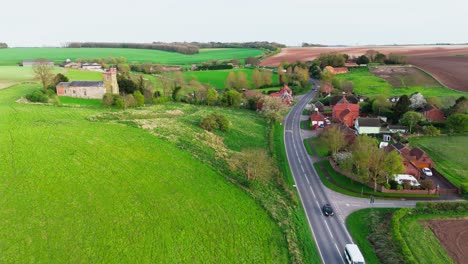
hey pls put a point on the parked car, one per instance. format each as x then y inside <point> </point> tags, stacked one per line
<point>327,210</point>
<point>427,171</point>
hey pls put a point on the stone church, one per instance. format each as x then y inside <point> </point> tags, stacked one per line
<point>90,89</point>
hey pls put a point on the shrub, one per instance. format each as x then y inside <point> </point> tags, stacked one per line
<point>39,96</point>
<point>215,121</point>
<point>464,187</point>
<point>399,187</point>
<point>160,100</point>
<point>441,207</point>
<point>387,185</point>
<point>406,185</point>
<point>395,224</point>
<point>393,184</point>
<point>139,98</point>
<point>432,131</point>
<point>427,184</point>
<point>119,102</point>
<point>129,101</point>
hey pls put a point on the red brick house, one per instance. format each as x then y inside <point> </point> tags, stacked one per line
<point>433,114</point>
<point>285,94</point>
<point>317,120</point>
<point>345,112</point>
<point>413,159</point>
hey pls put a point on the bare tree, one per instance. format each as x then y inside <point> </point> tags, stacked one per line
<point>257,79</point>
<point>273,108</point>
<point>43,72</point>
<point>266,76</point>
<point>371,54</point>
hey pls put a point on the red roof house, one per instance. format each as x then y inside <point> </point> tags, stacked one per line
<point>345,112</point>
<point>317,119</point>
<point>433,114</point>
<point>285,94</point>
<point>414,159</point>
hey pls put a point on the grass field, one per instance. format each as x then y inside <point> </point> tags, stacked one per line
<point>218,78</point>
<point>367,84</point>
<point>79,191</point>
<point>10,75</point>
<point>12,56</point>
<point>449,155</point>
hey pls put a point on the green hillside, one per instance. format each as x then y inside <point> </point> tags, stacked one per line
<point>13,56</point>
<point>72,190</point>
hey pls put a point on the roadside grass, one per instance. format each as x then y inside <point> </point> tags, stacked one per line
<point>448,153</point>
<point>361,225</point>
<point>342,184</point>
<point>217,78</point>
<point>305,124</point>
<point>367,84</point>
<point>322,151</point>
<point>13,56</point>
<point>74,190</point>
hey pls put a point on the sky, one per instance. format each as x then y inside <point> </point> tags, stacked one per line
<point>291,22</point>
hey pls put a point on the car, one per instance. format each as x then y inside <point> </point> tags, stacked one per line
<point>427,171</point>
<point>328,210</point>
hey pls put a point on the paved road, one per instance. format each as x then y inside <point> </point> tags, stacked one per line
<point>330,233</point>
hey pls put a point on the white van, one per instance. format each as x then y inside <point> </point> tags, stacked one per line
<point>353,254</point>
<point>401,178</point>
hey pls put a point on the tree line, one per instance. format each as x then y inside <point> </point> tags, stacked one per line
<point>3,45</point>
<point>272,46</point>
<point>182,48</point>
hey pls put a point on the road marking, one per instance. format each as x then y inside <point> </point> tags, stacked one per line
<point>339,253</point>
<point>307,179</point>
<point>329,231</point>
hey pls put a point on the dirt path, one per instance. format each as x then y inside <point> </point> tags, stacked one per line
<point>453,235</point>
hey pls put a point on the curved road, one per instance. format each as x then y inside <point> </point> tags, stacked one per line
<point>330,233</point>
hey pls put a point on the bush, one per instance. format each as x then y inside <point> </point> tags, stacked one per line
<point>395,224</point>
<point>387,185</point>
<point>129,101</point>
<point>109,99</point>
<point>215,121</point>
<point>139,98</point>
<point>442,207</point>
<point>119,102</point>
<point>427,184</point>
<point>399,187</point>
<point>464,187</point>
<point>38,96</point>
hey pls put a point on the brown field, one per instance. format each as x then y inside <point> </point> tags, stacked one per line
<point>453,235</point>
<point>404,76</point>
<point>448,64</point>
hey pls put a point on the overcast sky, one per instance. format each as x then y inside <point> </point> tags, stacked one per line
<point>347,22</point>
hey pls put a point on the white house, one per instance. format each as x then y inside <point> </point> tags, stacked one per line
<point>365,125</point>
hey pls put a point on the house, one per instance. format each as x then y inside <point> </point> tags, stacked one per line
<point>319,105</point>
<point>339,98</point>
<point>91,66</point>
<point>413,159</point>
<point>397,129</point>
<point>348,133</point>
<point>326,88</point>
<point>285,94</point>
<point>336,70</point>
<point>345,112</point>
<point>433,114</point>
<point>317,119</point>
<point>90,89</point>
<point>72,65</point>
<point>30,63</point>
<point>367,125</point>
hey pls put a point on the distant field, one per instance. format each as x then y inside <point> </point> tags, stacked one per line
<point>73,190</point>
<point>13,56</point>
<point>367,84</point>
<point>449,154</point>
<point>218,78</point>
<point>404,76</point>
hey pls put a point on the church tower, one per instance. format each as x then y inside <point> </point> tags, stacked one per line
<point>110,81</point>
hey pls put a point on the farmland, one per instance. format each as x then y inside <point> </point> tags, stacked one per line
<point>13,56</point>
<point>74,190</point>
<point>449,155</point>
<point>368,84</point>
<point>447,63</point>
<point>217,78</point>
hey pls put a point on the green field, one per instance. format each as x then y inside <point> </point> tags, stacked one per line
<point>73,190</point>
<point>217,78</point>
<point>449,155</point>
<point>13,56</point>
<point>367,84</point>
<point>10,75</point>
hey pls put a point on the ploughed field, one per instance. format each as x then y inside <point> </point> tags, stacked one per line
<point>448,64</point>
<point>73,190</point>
<point>453,235</point>
<point>13,56</point>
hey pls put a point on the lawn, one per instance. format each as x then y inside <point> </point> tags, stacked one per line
<point>367,84</point>
<point>10,75</point>
<point>13,56</point>
<point>217,78</point>
<point>449,155</point>
<point>73,190</point>
<point>314,142</point>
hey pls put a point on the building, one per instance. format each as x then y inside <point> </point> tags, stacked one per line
<point>345,112</point>
<point>397,129</point>
<point>336,70</point>
<point>30,63</point>
<point>339,98</point>
<point>367,125</point>
<point>317,119</point>
<point>326,88</point>
<point>90,89</point>
<point>72,65</point>
<point>414,160</point>
<point>433,114</point>
<point>91,66</point>
<point>285,94</point>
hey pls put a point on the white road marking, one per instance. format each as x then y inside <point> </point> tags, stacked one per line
<point>339,253</point>
<point>307,179</point>
<point>329,231</point>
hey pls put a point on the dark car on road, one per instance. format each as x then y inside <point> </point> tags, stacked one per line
<point>327,210</point>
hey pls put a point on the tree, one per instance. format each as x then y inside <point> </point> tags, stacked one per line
<point>380,105</point>
<point>380,58</point>
<point>393,164</point>
<point>362,60</point>
<point>303,77</point>
<point>254,61</point>
<point>43,72</point>
<point>167,85</point>
<point>266,77</point>
<point>410,119</point>
<point>417,101</point>
<point>333,139</point>
<point>432,131</point>
<point>230,82</point>
<point>460,106</point>
<point>231,98</point>
<point>347,87</point>
<point>257,79</point>
<point>215,121</point>
<point>458,123</point>
<point>314,70</point>
<point>211,96</point>
<point>434,101</point>
<point>179,78</point>
<point>3,45</point>
<point>401,107</point>
<point>127,85</point>
<point>427,184</point>
<point>371,54</point>
<point>139,98</point>
<point>241,81</point>
<point>273,108</point>
<point>255,164</point>
<point>123,68</point>
<point>175,93</point>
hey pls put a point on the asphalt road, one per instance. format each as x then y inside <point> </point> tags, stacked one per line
<point>330,233</point>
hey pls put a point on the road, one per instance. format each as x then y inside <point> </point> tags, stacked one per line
<point>330,233</point>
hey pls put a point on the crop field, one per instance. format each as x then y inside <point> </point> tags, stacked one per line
<point>73,190</point>
<point>367,84</point>
<point>13,56</point>
<point>217,78</point>
<point>449,155</point>
<point>404,76</point>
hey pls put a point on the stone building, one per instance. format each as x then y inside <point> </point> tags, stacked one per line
<point>90,89</point>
